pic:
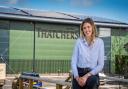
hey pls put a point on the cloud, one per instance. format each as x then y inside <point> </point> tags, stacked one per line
<point>10,2</point>
<point>59,0</point>
<point>13,1</point>
<point>3,1</point>
<point>56,0</point>
<point>84,3</point>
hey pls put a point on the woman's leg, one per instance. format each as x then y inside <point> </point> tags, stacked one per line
<point>75,84</point>
<point>92,82</point>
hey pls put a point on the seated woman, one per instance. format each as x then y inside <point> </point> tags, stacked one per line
<point>88,57</point>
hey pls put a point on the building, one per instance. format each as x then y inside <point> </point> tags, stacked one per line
<point>43,41</point>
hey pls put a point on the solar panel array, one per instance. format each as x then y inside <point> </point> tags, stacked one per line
<point>52,14</point>
<point>11,10</point>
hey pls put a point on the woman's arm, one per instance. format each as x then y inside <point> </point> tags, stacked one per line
<point>100,61</point>
<point>74,60</point>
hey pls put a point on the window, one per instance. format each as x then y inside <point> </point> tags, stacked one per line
<point>104,32</point>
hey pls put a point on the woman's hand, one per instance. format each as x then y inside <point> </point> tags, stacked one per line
<point>83,79</point>
<point>79,80</point>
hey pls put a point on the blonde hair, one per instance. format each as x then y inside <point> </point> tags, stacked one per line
<point>94,33</point>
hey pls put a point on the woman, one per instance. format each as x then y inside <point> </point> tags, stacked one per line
<point>88,57</point>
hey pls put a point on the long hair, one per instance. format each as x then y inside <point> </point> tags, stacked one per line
<point>94,33</point>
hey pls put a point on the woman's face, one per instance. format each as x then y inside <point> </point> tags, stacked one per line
<point>87,29</point>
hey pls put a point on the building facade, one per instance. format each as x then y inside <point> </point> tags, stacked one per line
<point>43,41</point>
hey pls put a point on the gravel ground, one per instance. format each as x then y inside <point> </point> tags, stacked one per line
<point>107,85</point>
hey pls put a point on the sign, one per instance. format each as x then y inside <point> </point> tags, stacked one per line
<point>2,71</point>
<point>43,33</point>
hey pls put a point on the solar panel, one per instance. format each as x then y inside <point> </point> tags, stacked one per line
<point>49,14</point>
<point>10,10</point>
<point>99,19</point>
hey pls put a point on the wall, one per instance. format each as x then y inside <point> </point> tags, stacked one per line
<point>54,44</point>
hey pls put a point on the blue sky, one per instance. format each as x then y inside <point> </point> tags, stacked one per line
<point>112,9</point>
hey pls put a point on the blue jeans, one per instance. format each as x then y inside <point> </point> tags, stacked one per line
<point>91,83</point>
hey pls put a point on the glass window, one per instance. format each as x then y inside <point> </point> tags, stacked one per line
<point>104,32</point>
<point>119,32</point>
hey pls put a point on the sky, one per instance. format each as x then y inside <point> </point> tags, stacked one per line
<point>112,9</point>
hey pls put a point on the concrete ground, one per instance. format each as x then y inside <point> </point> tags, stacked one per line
<point>109,85</point>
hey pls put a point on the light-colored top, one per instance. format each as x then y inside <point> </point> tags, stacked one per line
<point>88,56</point>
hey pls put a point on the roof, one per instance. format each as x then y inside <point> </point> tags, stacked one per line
<point>50,16</point>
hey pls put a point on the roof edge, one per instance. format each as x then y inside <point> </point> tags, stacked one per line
<point>57,20</point>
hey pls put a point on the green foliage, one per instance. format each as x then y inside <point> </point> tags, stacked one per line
<point>121,64</point>
<point>119,54</point>
<point>118,46</point>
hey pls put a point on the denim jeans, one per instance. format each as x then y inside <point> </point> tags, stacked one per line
<point>91,83</point>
